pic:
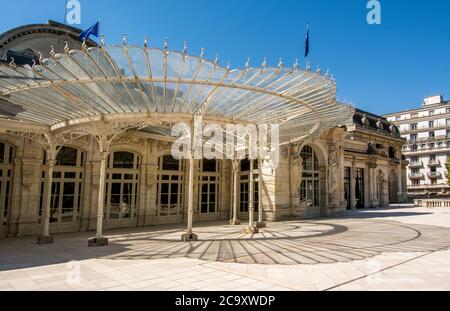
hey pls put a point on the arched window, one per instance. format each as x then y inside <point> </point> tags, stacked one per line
<point>122,185</point>
<point>67,186</point>
<point>6,175</point>
<point>170,186</point>
<point>209,187</point>
<point>309,188</point>
<point>245,185</point>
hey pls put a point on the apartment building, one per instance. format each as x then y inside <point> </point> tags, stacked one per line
<point>427,130</point>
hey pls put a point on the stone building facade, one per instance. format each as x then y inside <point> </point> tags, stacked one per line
<point>427,131</point>
<point>355,166</point>
<point>145,186</point>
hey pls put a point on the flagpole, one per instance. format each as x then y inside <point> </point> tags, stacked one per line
<point>307,38</point>
<point>65,13</point>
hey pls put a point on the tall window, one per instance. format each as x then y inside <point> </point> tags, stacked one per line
<point>170,186</point>
<point>245,185</point>
<point>347,186</point>
<point>431,134</point>
<point>413,127</point>
<point>414,148</point>
<point>67,186</point>
<point>209,187</point>
<point>6,174</point>
<point>309,188</point>
<point>122,185</point>
<point>430,124</point>
<point>413,137</point>
<point>359,187</point>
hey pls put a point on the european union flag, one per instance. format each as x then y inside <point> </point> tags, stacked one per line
<point>93,30</point>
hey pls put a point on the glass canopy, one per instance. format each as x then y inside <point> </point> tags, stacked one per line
<point>151,85</point>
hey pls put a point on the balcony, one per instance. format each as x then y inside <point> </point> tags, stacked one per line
<point>416,176</point>
<point>434,163</point>
<point>435,175</point>
<point>416,164</point>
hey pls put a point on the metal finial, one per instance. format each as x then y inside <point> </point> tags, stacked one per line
<point>66,47</point>
<point>202,53</point>
<point>216,61</point>
<point>280,63</point>
<point>145,42</point>
<point>84,45</point>
<point>185,47</point>
<point>327,74</point>
<point>52,51</point>
<point>12,64</point>
<point>247,64</point>
<point>166,44</point>
<point>318,69</point>
<point>296,64</point>
<point>264,64</point>
<point>308,67</point>
<point>228,66</point>
<point>124,39</point>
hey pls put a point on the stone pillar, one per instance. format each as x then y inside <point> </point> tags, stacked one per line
<point>400,183</point>
<point>235,221</point>
<point>372,182</point>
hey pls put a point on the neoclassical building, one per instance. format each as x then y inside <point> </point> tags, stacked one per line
<point>54,181</point>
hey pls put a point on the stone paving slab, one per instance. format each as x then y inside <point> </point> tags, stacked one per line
<point>389,249</point>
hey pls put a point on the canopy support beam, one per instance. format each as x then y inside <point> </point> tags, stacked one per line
<point>235,221</point>
<point>189,236</point>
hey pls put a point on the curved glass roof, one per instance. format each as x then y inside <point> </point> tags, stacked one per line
<point>120,82</point>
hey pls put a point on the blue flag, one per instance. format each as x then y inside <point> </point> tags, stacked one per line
<point>307,42</point>
<point>93,30</point>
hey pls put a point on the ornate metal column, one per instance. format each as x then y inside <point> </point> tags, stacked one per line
<point>50,144</point>
<point>235,221</point>
<point>251,205</point>
<point>103,144</point>
<point>190,236</point>
<point>45,238</point>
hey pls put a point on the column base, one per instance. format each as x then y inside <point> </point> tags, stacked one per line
<point>189,237</point>
<point>235,222</point>
<point>260,225</point>
<point>42,240</point>
<point>97,242</point>
<point>251,230</point>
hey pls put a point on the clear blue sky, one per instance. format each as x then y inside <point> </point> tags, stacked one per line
<point>381,68</point>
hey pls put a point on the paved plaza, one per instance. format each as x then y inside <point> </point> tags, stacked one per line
<point>400,248</point>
